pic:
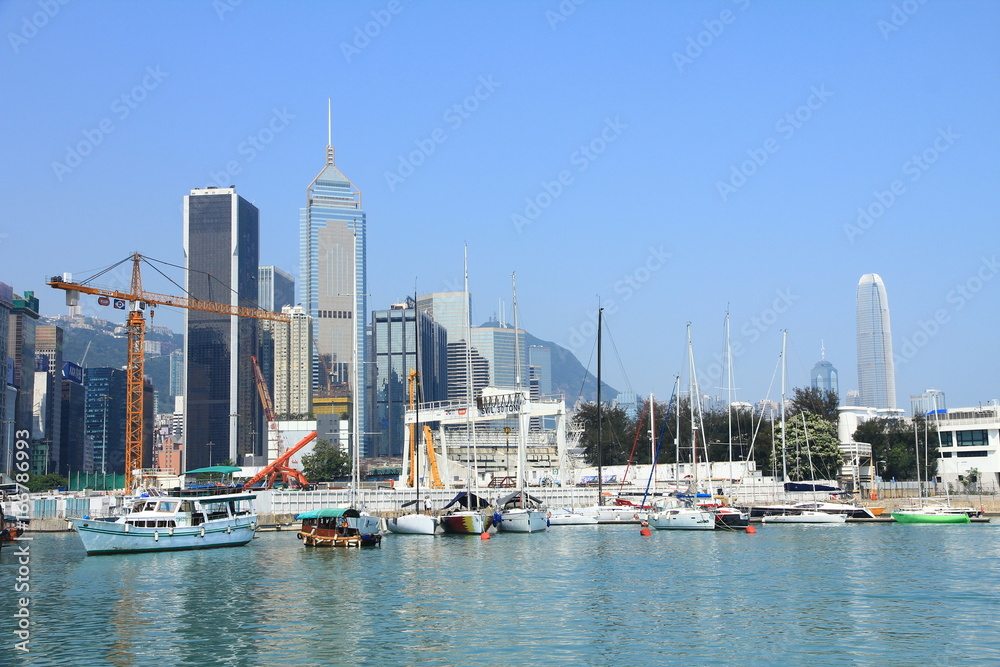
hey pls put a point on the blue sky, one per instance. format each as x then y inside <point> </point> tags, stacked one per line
<point>669,160</point>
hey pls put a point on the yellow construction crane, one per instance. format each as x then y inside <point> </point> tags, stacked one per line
<point>137,300</point>
<point>432,465</point>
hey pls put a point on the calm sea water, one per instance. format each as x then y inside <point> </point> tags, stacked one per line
<point>575,595</point>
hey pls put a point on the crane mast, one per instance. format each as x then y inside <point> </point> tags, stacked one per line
<point>138,300</point>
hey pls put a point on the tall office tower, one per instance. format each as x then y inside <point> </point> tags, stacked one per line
<point>452,311</point>
<point>824,376</point>
<point>222,412</point>
<point>929,402</point>
<point>876,374</point>
<point>20,371</point>
<point>333,284</point>
<point>73,427</point>
<point>275,289</point>
<point>540,371</point>
<point>176,374</point>
<point>394,351</point>
<point>7,392</point>
<point>48,394</point>
<point>104,417</point>
<point>293,356</point>
<point>503,349</point>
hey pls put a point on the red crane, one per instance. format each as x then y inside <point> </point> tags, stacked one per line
<point>280,467</point>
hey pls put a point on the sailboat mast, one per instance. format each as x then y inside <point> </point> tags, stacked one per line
<point>522,436</point>
<point>694,426</point>
<point>652,437</point>
<point>356,389</point>
<point>784,462</point>
<point>729,399</point>
<point>600,450</point>
<point>418,433</point>
<point>470,439</point>
<point>677,430</point>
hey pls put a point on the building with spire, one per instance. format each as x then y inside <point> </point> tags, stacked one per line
<point>333,284</point>
<point>823,375</point>
<point>876,373</point>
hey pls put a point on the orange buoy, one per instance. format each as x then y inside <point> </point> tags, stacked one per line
<point>645,532</point>
<point>484,536</point>
<point>751,530</point>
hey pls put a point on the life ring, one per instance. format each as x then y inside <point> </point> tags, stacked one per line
<point>636,516</point>
<point>298,536</point>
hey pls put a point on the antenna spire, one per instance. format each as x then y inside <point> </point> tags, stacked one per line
<point>329,135</point>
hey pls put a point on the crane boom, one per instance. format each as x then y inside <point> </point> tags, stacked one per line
<point>280,464</point>
<point>138,299</point>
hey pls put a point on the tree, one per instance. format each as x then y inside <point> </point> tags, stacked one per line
<point>814,441</point>
<point>616,430</point>
<point>815,400</point>
<point>895,446</point>
<point>37,483</point>
<point>326,463</point>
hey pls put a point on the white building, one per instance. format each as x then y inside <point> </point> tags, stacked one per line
<point>293,356</point>
<point>970,440</point>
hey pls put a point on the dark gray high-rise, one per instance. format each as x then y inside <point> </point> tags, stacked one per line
<point>222,415</point>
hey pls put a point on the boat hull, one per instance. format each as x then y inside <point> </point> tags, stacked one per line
<point>930,517</point>
<point>466,523</point>
<point>567,518</point>
<point>682,519</point>
<point>522,521</point>
<point>413,524</point>
<point>821,518</point>
<point>727,520</point>
<point>107,537</point>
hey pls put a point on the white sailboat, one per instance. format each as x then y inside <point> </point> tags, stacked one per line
<point>415,523</point>
<point>476,517</point>
<point>689,517</point>
<point>521,512</point>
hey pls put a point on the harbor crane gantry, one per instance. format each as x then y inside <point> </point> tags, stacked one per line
<point>137,300</point>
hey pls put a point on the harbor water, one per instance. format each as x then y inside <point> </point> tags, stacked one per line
<point>574,595</point>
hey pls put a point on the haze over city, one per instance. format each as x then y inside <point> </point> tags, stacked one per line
<point>669,161</point>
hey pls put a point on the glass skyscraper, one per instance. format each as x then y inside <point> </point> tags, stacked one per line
<point>824,376</point>
<point>394,341</point>
<point>275,289</point>
<point>876,373</point>
<point>333,284</point>
<point>222,412</point>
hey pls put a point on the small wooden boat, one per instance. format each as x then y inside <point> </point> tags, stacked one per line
<point>338,527</point>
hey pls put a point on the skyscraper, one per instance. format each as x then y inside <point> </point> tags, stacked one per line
<point>451,311</point>
<point>275,289</point>
<point>394,342</point>
<point>876,374</point>
<point>824,376</point>
<point>293,356</point>
<point>104,418</point>
<point>222,413</point>
<point>333,283</point>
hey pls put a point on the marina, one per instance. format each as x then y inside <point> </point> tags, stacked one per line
<point>866,594</point>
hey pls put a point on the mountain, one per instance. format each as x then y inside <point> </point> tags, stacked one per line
<point>569,377</point>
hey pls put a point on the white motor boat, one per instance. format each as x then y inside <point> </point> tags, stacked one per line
<point>565,516</point>
<point>413,524</point>
<point>173,523</point>
<point>682,518</point>
<point>807,516</point>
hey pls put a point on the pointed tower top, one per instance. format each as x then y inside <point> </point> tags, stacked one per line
<point>822,350</point>
<point>330,153</point>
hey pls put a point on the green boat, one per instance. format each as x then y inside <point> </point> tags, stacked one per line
<point>930,516</point>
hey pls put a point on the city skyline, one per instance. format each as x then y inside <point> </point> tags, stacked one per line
<point>728,147</point>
